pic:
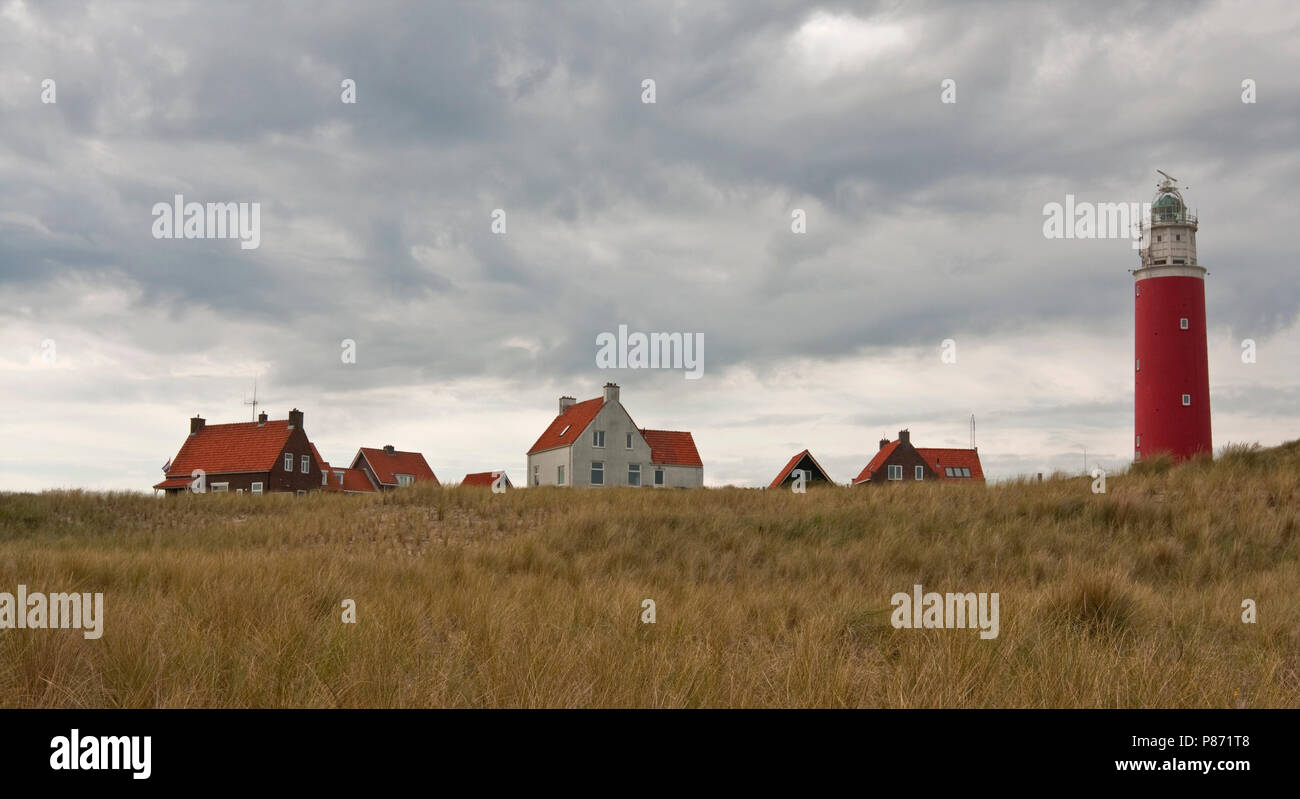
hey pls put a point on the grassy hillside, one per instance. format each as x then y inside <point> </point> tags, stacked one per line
<point>764,598</point>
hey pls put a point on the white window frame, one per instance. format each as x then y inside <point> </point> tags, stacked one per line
<point>1187,400</point>
<point>324,477</point>
<point>598,439</point>
<point>559,475</point>
<point>305,463</point>
<point>895,471</point>
<point>634,469</point>
<point>965,471</point>
<point>919,471</point>
<point>256,487</point>
<point>404,480</point>
<point>598,469</point>
<point>288,461</point>
<point>661,478</point>
<point>220,488</point>
<point>1182,323</point>
<point>629,441</point>
<point>537,474</point>
<point>565,430</point>
<point>1138,365</point>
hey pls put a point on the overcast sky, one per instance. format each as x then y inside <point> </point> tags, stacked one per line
<point>924,223</point>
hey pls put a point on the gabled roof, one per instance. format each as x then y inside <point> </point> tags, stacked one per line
<point>568,426</point>
<point>321,463</point>
<point>784,474</point>
<point>937,457</point>
<point>672,448</point>
<point>876,462</point>
<point>484,479</point>
<point>941,458</point>
<point>354,480</point>
<point>387,466</point>
<point>232,448</point>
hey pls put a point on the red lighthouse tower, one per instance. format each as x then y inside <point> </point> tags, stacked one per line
<point>1171,371</point>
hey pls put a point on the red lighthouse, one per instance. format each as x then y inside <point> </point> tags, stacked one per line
<point>1171,370</point>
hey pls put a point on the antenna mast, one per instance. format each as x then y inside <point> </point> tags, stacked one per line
<point>253,401</point>
<point>972,431</point>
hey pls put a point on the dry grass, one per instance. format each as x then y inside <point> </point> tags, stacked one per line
<point>465,598</point>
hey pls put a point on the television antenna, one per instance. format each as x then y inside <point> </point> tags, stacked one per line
<point>253,401</point>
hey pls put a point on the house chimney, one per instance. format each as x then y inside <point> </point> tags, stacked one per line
<point>261,419</point>
<point>389,450</point>
<point>566,403</point>
<point>295,419</point>
<point>611,392</point>
<point>884,442</point>
<point>196,424</point>
<point>904,436</point>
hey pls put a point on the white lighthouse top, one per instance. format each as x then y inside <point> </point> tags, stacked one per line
<point>1169,236</point>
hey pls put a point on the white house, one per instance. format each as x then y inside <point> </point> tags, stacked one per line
<point>596,443</point>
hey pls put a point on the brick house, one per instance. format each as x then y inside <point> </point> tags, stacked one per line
<point>247,457</point>
<point>898,460</point>
<point>390,468</point>
<point>595,443</point>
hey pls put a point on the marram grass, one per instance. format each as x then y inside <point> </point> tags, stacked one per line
<point>464,598</point>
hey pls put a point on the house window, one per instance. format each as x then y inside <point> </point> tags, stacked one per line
<point>339,474</point>
<point>288,462</point>
<point>1187,399</point>
<point>559,475</point>
<point>598,438</point>
<point>659,477</point>
<point>896,472</point>
<point>537,475</point>
<point>634,474</point>
<point>1182,323</point>
<point>405,479</point>
<point>598,473</point>
<point>239,490</point>
<point>629,441</point>
<point>301,493</point>
<point>324,477</point>
<point>920,472</point>
<point>305,462</point>
<point>220,488</point>
<point>257,488</point>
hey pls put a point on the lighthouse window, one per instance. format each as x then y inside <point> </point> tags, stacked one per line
<point>1139,441</point>
<point>1182,323</point>
<point>1178,237</point>
<point>1187,399</point>
<point>1138,292</point>
<point>1139,365</point>
<point>1160,238</point>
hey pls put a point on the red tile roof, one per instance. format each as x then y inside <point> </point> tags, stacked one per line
<point>672,448</point>
<point>387,466</point>
<point>232,448</point>
<point>353,480</point>
<point>876,462</point>
<point>568,426</point>
<point>941,458</point>
<point>174,482</point>
<point>785,472</point>
<point>937,458</point>
<point>484,479</point>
